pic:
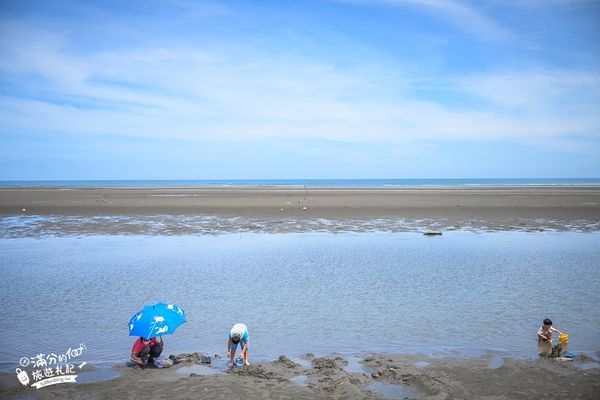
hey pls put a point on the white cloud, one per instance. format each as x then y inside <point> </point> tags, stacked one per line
<point>191,93</point>
<point>458,14</point>
<point>534,89</point>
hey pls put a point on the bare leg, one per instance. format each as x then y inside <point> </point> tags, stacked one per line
<point>245,355</point>
<point>231,355</point>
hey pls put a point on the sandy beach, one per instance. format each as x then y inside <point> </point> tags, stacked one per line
<point>378,376</point>
<point>295,209</point>
<point>29,212</point>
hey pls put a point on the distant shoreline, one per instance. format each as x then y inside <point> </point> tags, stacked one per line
<point>303,187</point>
<point>182,210</point>
<point>309,183</point>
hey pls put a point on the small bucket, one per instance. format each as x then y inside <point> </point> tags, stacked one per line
<point>564,338</point>
<point>238,362</point>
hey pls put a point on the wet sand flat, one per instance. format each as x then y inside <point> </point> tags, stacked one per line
<point>493,208</point>
<point>379,376</point>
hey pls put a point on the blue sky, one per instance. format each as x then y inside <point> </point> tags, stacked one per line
<point>300,89</point>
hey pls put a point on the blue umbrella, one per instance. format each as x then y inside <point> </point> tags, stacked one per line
<point>156,320</point>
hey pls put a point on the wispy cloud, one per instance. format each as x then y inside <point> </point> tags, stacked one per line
<point>455,13</point>
<point>541,3</point>
<point>199,94</point>
<point>202,86</point>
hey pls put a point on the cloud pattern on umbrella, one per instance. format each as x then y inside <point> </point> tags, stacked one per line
<point>156,320</point>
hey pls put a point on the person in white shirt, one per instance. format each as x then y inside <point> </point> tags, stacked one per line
<point>238,335</point>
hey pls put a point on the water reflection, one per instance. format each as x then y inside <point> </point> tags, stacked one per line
<point>394,391</point>
<point>545,347</point>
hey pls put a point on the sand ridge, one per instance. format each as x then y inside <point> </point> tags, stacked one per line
<point>280,210</point>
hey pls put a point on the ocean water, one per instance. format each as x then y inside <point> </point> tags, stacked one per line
<point>308,292</point>
<point>361,183</point>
